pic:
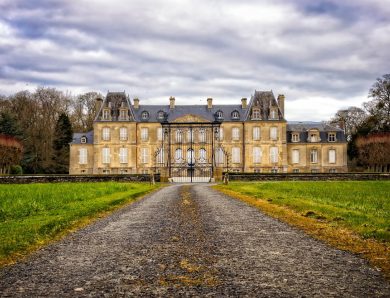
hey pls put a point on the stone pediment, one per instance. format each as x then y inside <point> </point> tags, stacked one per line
<point>191,118</point>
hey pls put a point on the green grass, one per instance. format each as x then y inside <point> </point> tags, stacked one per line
<point>32,214</point>
<point>362,206</point>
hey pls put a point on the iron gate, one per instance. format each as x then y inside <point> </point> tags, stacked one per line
<point>188,150</point>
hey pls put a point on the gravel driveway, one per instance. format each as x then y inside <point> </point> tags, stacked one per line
<point>189,240</point>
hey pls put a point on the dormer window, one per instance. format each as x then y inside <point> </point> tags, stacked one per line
<point>160,115</point>
<point>332,137</point>
<point>235,115</point>
<point>273,114</point>
<point>123,114</point>
<point>314,136</point>
<point>219,115</point>
<point>256,114</point>
<point>106,114</point>
<point>83,140</point>
<point>295,137</point>
<point>144,115</point>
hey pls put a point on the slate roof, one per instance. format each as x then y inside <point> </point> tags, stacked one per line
<point>77,137</point>
<point>264,100</point>
<point>115,100</point>
<point>307,125</point>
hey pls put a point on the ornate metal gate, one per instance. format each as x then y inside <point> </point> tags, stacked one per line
<point>188,150</point>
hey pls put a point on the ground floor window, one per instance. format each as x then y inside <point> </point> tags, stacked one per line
<point>332,171</point>
<point>257,170</point>
<point>314,171</point>
<point>123,171</point>
<point>314,156</point>
<point>106,171</point>
<point>274,170</point>
<point>295,170</point>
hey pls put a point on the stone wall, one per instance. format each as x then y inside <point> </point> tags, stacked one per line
<point>22,179</point>
<point>307,176</point>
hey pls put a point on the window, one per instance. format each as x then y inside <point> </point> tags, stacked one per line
<point>106,155</point>
<point>123,133</point>
<point>83,156</point>
<point>257,170</point>
<point>314,156</point>
<point>122,171</point>
<point>144,115</point>
<point>179,136</point>
<point>295,170</point>
<point>219,156</point>
<point>219,115</point>
<point>123,155</point>
<point>295,156</point>
<point>160,156</point>
<point>202,135</point>
<point>106,114</point>
<point>273,133</point>
<point>273,114</point>
<point>235,115</point>
<point>256,114</point>
<point>220,134</point>
<point>236,157</point>
<point>202,155</point>
<point>313,137</point>
<point>235,133</point>
<point>190,156</point>
<point>332,171</point>
<point>257,154</point>
<point>106,171</point>
<point>178,155</point>
<point>106,134</point>
<point>144,133</point>
<point>274,170</point>
<point>123,115</point>
<point>295,137</point>
<point>332,155</point>
<point>274,154</point>
<point>314,171</point>
<point>144,155</point>
<point>256,133</point>
<point>83,140</point>
<point>331,137</point>
<point>160,134</point>
<point>160,115</point>
<point>190,135</point>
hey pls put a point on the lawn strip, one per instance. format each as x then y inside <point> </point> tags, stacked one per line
<point>376,252</point>
<point>27,234</point>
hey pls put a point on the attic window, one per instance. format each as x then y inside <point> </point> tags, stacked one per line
<point>106,114</point>
<point>235,115</point>
<point>219,115</point>
<point>145,115</point>
<point>123,114</point>
<point>83,140</point>
<point>160,115</point>
<point>273,114</point>
<point>256,114</point>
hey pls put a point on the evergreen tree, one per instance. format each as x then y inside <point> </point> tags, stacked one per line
<point>62,137</point>
<point>9,125</point>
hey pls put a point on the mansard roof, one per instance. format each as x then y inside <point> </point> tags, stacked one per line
<point>115,101</point>
<point>78,135</point>
<point>180,110</point>
<point>299,126</point>
<point>264,100</point>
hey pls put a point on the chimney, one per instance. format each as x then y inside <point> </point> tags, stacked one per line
<point>209,102</point>
<point>171,102</point>
<point>281,103</point>
<point>136,103</point>
<point>98,104</point>
<point>244,102</point>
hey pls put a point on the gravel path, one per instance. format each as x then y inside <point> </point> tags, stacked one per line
<point>189,240</point>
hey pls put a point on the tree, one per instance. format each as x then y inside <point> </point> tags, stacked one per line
<point>349,120</point>
<point>62,137</point>
<point>9,125</point>
<point>379,107</point>
<point>84,111</point>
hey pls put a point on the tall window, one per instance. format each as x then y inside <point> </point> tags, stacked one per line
<point>332,155</point>
<point>314,156</point>
<point>295,137</point>
<point>123,155</point>
<point>106,114</point>
<point>144,133</point>
<point>256,114</point>
<point>331,137</point>
<point>273,114</point>
<point>160,156</point>
<point>202,135</point>
<point>220,134</point>
<point>178,155</point>
<point>144,155</point>
<point>190,156</point>
<point>256,133</point>
<point>123,133</point>
<point>236,156</point>
<point>273,133</point>
<point>106,155</point>
<point>257,155</point>
<point>274,154</point>
<point>123,115</point>
<point>179,136</point>
<point>83,156</point>
<point>160,134</point>
<point>219,156</point>
<point>106,134</point>
<point>235,133</point>
<point>202,155</point>
<point>295,156</point>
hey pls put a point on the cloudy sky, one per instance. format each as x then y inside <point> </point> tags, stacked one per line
<point>323,55</point>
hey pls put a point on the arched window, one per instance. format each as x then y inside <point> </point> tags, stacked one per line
<point>219,115</point>
<point>235,115</point>
<point>202,135</point>
<point>160,115</point>
<point>190,156</point>
<point>179,136</point>
<point>202,155</point>
<point>83,140</point>
<point>144,115</point>
<point>178,155</point>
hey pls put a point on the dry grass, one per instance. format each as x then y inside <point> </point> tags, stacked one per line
<point>376,252</point>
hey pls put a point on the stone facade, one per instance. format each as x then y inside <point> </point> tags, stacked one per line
<point>253,137</point>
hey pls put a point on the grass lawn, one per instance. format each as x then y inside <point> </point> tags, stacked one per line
<point>350,215</point>
<point>33,214</point>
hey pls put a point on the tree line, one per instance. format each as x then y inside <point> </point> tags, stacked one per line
<point>367,129</point>
<point>43,121</point>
